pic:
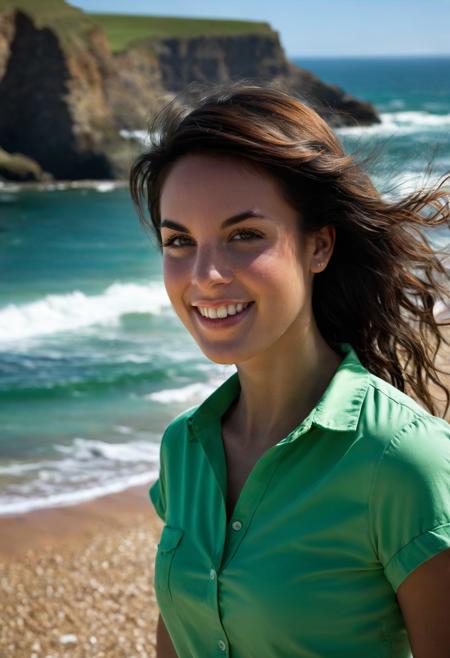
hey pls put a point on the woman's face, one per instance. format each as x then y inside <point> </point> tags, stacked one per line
<point>212,263</point>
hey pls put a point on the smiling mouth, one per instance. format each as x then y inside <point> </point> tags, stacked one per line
<point>227,320</point>
<point>236,310</point>
<point>219,314</point>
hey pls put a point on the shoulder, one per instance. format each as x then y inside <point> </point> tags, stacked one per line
<point>412,469</point>
<point>409,495</point>
<point>177,429</point>
<point>393,418</point>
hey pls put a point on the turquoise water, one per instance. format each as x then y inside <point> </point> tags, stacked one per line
<point>93,361</point>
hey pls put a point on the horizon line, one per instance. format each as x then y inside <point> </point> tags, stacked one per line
<point>368,55</point>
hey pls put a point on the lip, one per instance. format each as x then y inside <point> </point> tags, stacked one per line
<point>223,323</point>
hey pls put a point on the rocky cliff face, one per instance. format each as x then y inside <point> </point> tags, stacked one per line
<point>218,59</point>
<point>64,97</point>
<point>37,105</point>
<point>55,104</point>
<point>257,57</point>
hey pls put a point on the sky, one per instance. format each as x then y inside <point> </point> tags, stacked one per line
<point>319,28</point>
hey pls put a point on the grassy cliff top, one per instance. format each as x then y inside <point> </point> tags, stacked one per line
<point>72,24</point>
<point>123,30</point>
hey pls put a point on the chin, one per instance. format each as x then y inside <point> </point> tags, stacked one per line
<point>228,356</point>
<point>223,359</point>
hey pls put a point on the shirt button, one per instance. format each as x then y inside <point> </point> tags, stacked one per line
<point>212,574</point>
<point>221,644</point>
<point>237,525</point>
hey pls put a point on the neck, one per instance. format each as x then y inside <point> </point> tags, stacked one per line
<point>278,393</point>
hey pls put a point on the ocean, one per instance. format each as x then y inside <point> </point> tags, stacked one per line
<point>93,361</point>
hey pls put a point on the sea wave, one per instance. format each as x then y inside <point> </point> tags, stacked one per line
<point>194,393</point>
<point>29,501</point>
<point>88,469</point>
<point>401,123</point>
<point>75,310</point>
<point>81,384</point>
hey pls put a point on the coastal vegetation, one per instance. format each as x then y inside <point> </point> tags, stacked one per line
<point>124,30</point>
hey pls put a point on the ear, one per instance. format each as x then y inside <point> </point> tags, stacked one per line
<point>323,243</point>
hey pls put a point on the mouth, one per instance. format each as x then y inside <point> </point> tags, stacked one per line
<point>228,321</point>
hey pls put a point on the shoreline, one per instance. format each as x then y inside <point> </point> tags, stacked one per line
<point>50,528</point>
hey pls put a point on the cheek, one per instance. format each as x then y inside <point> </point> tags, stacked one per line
<point>175,282</point>
<point>277,272</point>
<point>175,274</point>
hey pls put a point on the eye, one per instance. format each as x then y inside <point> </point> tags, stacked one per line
<point>171,241</point>
<point>250,235</point>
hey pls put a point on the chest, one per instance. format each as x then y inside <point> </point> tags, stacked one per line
<point>301,556</point>
<point>239,464</point>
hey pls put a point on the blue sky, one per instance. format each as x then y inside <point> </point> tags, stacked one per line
<point>319,27</point>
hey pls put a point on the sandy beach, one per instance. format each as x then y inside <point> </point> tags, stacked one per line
<point>78,581</point>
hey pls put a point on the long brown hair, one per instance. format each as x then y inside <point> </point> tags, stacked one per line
<point>383,279</point>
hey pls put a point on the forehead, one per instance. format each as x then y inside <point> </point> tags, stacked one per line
<point>206,181</point>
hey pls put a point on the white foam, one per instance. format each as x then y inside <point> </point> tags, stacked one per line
<point>140,136</point>
<point>82,449</point>
<point>56,186</point>
<point>15,505</point>
<point>88,469</point>
<point>123,429</point>
<point>107,186</point>
<point>74,310</point>
<point>17,468</point>
<point>191,392</point>
<point>89,450</point>
<point>195,392</point>
<point>401,123</point>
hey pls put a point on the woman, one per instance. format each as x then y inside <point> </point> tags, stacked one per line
<point>306,501</point>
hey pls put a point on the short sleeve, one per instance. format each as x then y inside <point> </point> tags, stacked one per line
<point>157,490</point>
<point>409,508</point>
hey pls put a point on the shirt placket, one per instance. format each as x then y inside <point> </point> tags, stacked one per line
<point>217,463</point>
<point>250,496</point>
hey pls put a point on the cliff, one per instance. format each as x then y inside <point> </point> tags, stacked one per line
<point>69,82</point>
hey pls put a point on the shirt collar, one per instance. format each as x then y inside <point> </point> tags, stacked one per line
<point>338,409</point>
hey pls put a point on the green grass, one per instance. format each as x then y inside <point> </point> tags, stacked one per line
<point>72,24</point>
<point>125,30</point>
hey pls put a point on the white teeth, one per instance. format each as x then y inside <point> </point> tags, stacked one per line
<point>222,311</point>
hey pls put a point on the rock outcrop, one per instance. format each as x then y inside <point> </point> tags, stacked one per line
<point>53,104</point>
<point>65,96</point>
<point>258,57</point>
<point>18,167</point>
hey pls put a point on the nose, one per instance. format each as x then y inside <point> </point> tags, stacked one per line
<point>210,268</point>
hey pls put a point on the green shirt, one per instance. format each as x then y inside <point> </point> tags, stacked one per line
<point>330,521</point>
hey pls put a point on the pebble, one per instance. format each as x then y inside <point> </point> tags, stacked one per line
<point>97,600</point>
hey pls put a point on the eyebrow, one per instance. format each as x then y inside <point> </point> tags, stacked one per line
<point>234,219</point>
